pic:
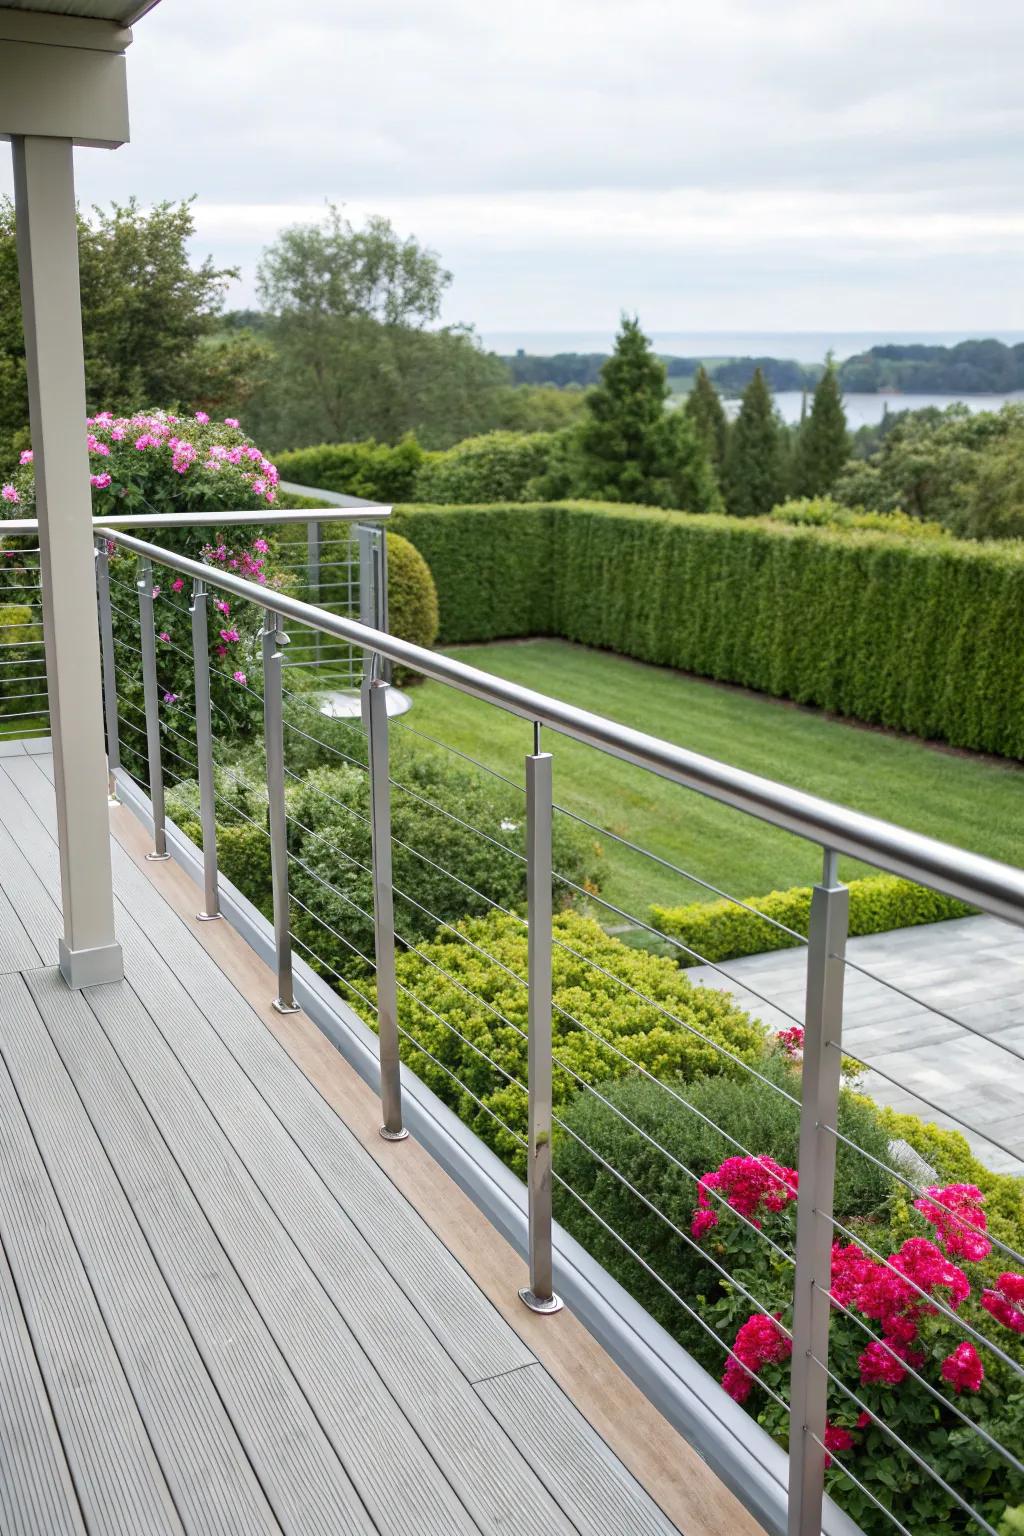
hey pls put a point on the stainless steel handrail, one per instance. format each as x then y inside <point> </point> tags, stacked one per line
<point>354,511</point>
<point>995,887</point>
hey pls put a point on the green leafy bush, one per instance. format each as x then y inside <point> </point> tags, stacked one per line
<point>824,512</point>
<point>22,676</point>
<point>412,598</point>
<point>478,960</point>
<point>499,466</point>
<point>905,632</point>
<point>373,470</point>
<point>721,930</point>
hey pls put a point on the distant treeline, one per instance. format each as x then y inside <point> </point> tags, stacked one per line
<point>968,368</point>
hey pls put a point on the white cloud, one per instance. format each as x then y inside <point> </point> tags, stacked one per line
<point>692,162</point>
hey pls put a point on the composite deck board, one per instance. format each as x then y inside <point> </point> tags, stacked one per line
<point>208,1474</point>
<point>119,1484</point>
<point>17,952</point>
<point>457,1312</point>
<point>37,911</point>
<point>359,1379</point>
<point>301,1475</point>
<point>602,1496</point>
<point>37,1496</point>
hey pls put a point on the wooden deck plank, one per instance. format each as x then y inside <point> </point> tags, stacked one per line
<point>457,1431</point>
<point>206,1469</point>
<point>118,1481</point>
<point>17,952</point>
<point>298,1469</point>
<point>37,1496</point>
<point>578,1468</point>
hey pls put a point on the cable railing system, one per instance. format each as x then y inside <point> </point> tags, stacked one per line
<point>24,712</point>
<point>341,905</point>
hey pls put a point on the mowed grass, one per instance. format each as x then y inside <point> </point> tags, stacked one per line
<point>974,802</point>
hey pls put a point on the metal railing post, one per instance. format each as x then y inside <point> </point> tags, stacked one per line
<point>106,621</point>
<point>313,553</point>
<point>274,641</point>
<point>204,749</point>
<point>150,686</point>
<point>375,721</point>
<point>539,1296</point>
<point>373,589</point>
<point>822,1072</point>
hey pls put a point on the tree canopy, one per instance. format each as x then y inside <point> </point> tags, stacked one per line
<point>150,320</point>
<point>350,312</point>
<point>705,409</point>
<point>630,448</point>
<point>755,462</point>
<point>823,444</point>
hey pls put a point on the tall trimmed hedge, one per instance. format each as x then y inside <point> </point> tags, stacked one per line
<point>920,635</point>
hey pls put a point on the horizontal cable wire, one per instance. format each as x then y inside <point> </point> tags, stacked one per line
<point>687,874</point>
<point>933,1008</point>
<point>337,974</point>
<point>923,1194</point>
<point>557,1177</point>
<point>933,1301</point>
<point>934,1392</point>
<point>333,931</point>
<point>915,1093</point>
<point>859,1485</point>
<point>907,1449</point>
<point>411,731</point>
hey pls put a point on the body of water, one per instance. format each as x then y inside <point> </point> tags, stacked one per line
<point>801,346</point>
<point>866,410</point>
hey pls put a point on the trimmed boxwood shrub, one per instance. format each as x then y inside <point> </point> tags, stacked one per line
<point>494,1019</point>
<point>412,598</point>
<point>721,930</point>
<point>22,679</point>
<point>917,634</point>
<point>498,466</point>
<point>374,470</point>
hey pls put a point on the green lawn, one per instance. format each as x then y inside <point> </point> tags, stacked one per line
<point>970,801</point>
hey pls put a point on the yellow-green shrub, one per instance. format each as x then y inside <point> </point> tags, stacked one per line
<point>721,930</point>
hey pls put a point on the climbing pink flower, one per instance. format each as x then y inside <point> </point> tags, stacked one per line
<point>9,493</point>
<point>230,421</point>
<point>170,698</point>
<point>239,677</point>
<point>177,585</point>
<point>963,1368</point>
<point>878,1364</point>
<point>229,636</point>
<point>751,1185</point>
<point>759,1342</point>
<point>836,1439</point>
<point>260,546</point>
<point>202,417</point>
<point>223,606</point>
<point>164,636</point>
<point>99,482</point>
<point>26,456</point>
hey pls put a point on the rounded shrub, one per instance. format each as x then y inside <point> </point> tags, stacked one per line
<point>412,598</point>
<point>498,466</point>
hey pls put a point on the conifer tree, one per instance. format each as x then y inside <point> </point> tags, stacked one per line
<point>630,448</point>
<point>823,446</point>
<point>754,465</point>
<point>705,409</point>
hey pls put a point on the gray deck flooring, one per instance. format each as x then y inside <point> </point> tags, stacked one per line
<point>967,1059</point>
<point>217,1314</point>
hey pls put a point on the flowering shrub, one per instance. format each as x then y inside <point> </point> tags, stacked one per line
<point>753,1186</point>
<point>157,462</point>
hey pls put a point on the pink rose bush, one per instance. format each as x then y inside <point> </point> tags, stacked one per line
<point>159,461</point>
<point>896,1342</point>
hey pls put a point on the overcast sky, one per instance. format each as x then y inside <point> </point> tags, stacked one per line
<point>737,164</point>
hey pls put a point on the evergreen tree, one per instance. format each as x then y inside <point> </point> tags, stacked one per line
<point>754,465</point>
<point>705,409</point>
<point>824,445</point>
<point>630,449</point>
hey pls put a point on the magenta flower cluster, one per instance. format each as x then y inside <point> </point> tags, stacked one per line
<point>960,1222</point>
<point>752,1186</point>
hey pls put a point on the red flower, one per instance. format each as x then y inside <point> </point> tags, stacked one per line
<point>1004,1302</point>
<point>963,1368</point>
<point>953,1211</point>
<point>792,1040</point>
<point>751,1185</point>
<point>836,1439</point>
<point>878,1364</point>
<point>759,1342</point>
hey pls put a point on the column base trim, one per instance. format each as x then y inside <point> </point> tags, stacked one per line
<point>91,967</point>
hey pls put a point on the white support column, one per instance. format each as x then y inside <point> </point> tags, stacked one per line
<point>48,265</point>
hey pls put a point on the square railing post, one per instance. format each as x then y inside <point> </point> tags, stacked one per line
<point>819,1111</point>
<point>274,641</point>
<point>106,621</point>
<point>314,545</point>
<point>375,721</point>
<point>539,1296</point>
<point>373,589</point>
<point>204,749</point>
<point>151,699</point>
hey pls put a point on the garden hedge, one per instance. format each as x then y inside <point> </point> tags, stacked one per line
<point>721,930</point>
<point>917,634</point>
